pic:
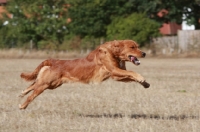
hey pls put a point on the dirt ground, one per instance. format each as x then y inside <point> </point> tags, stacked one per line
<point>171,104</point>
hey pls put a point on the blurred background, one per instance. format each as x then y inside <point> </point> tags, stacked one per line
<point>161,27</point>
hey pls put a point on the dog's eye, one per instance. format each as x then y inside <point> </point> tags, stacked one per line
<point>132,47</point>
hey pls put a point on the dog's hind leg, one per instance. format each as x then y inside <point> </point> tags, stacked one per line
<point>26,91</point>
<point>46,79</point>
<point>38,89</point>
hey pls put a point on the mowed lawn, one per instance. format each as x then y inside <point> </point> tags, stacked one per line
<point>171,104</point>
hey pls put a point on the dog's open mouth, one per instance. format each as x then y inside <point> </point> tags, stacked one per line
<point>134,60</point>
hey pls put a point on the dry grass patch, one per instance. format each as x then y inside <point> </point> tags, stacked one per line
<point>32,54</point>
<point>172,103</point>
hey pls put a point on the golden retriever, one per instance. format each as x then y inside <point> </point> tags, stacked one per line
<point>108,60</point>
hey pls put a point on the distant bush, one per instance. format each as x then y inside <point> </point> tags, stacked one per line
<point>136,27</point>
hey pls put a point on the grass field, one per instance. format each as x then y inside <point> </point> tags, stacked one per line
<point>171,104</point>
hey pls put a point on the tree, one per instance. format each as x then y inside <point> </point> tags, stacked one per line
<point>136,27</point>
<point>176,9</point>
<point>38,20</point>
<point>91,17</point>
<point>192,12</point>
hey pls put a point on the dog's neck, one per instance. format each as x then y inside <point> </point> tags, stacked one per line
<point>122,64</point>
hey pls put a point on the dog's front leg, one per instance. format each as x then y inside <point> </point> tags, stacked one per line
<point>126,76</point>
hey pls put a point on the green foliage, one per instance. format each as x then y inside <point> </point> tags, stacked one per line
<point>136,27</point>
<point>37,20</point>
<point>7,36</point>
<point>176,8</point>
<point>44,22</point>
<point>192,12</point>
<point>91,17</point>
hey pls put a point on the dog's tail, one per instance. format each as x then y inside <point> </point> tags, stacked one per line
<point>32,76</point>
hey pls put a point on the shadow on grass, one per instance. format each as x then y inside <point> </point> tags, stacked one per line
<point>141,116</point>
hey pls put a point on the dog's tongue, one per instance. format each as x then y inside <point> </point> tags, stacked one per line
<point>135,60</point>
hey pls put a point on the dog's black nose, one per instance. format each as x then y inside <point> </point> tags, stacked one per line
<point>143,54</point>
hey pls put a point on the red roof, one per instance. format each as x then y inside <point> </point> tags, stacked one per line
<point>170,28</point>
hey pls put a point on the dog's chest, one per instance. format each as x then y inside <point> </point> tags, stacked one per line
<point>101,74</point>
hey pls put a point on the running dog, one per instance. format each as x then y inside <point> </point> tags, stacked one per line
<point>106,61</point>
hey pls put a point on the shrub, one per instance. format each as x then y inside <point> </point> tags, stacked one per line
<point>136,27</point>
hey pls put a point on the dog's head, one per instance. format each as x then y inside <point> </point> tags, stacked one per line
<point>127,50</point>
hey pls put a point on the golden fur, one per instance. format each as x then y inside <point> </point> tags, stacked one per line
<point>108,60</point>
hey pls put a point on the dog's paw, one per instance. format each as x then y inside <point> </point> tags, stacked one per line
<point>145,84</point>
<point>20,107</point>
<point>21,95</point>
